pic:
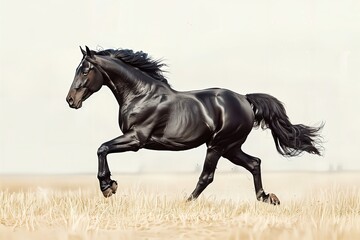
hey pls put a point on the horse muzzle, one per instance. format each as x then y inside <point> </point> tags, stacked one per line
<point>76,97</point>
<point>72,102</point>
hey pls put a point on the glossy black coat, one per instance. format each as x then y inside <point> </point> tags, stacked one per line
<point>152,115</point>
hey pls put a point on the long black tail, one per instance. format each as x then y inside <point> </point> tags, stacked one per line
<point>290,140</point>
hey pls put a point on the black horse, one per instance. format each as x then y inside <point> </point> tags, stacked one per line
<point>154,116</point>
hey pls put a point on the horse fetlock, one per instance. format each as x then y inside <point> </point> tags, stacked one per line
<point>260,195</point>
<point>106,183</point>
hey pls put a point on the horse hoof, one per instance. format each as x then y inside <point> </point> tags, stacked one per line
<point>107,193</point>
<point>111,190</point>
<point>191,198</point>
<point>113,187</point>
<point>273,199</point>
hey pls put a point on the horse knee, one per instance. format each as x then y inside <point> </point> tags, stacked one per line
<point>255,165</point>
<point>257,161</point>
<point>103,150</point>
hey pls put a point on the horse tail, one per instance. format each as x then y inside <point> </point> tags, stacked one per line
<point>290,140</point>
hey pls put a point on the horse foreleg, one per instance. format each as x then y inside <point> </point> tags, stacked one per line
<point>253,165</point>
<point>126,142</point>
<point>207,174</point>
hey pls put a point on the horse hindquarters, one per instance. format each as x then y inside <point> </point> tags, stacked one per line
<point>235,120</point>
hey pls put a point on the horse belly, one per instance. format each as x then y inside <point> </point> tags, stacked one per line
<point>189,133</point>
<point>179,139</point>
<point>186,128</point>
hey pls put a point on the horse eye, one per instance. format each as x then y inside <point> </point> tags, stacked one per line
<point>85,72</point>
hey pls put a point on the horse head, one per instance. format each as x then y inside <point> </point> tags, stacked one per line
<point>88,79</point>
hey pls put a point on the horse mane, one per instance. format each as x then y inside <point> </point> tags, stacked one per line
<point>139,60</point>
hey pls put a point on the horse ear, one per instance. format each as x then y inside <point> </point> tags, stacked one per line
<point>83,51</point>
<point>88,52</point>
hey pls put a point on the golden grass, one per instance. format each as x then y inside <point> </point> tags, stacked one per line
<point>55,209</point>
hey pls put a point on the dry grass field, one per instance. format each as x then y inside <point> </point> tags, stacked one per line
<point>153,206</point>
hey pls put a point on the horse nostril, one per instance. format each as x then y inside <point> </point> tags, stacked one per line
<point>70,100</point>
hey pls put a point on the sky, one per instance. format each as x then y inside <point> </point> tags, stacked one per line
<point>305,53</point>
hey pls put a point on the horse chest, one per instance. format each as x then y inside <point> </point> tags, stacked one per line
<point>139,115</point>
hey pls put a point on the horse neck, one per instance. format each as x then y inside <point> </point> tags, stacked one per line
<point>124,81</point>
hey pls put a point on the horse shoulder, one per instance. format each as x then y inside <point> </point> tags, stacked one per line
<point>142,112</point>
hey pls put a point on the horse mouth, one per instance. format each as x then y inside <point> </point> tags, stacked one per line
<point>78,104</point>
<point>86,95</point>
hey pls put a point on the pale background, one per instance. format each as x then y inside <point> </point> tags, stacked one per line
<point>305,53</point>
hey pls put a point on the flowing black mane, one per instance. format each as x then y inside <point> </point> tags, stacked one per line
<point>139,60</point>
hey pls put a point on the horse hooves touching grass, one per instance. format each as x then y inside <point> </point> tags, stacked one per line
<point>111,190</point>
<point>272,199</point>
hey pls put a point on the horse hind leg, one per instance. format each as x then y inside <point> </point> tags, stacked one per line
<point>207,174</point>
<point>252,164</point>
